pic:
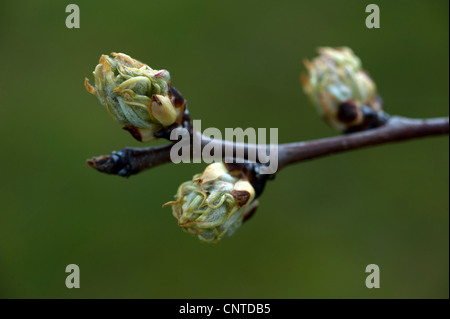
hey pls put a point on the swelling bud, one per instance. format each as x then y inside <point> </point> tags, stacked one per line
<point>213,205</point>
<point>135,95</point>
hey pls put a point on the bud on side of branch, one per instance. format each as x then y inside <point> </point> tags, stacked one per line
<point>213,205</point>
<point>343,93</point>
<point>135,95</point>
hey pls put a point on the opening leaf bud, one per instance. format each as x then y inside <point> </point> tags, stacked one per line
<point>343,93</point>
<point>213,205</point>
<point>136,96</point>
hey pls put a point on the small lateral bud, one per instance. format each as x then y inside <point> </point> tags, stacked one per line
<point>163,110</point>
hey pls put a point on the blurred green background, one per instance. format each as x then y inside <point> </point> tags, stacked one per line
<point>238,63</point>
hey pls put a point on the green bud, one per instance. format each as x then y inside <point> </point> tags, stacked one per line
<point>340,89</point>
<point>136,96</point>
<point>214,204</point>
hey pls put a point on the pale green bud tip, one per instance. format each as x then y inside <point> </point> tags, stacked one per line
<point>163,110</point>
<point>136,96</point>
<point>214,204</point>
<point>336,78</point>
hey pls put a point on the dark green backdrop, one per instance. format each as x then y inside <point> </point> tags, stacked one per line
<point>237,62</point>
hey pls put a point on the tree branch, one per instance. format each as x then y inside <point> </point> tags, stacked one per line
<point>131,161</point>
<point>396,129</point>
